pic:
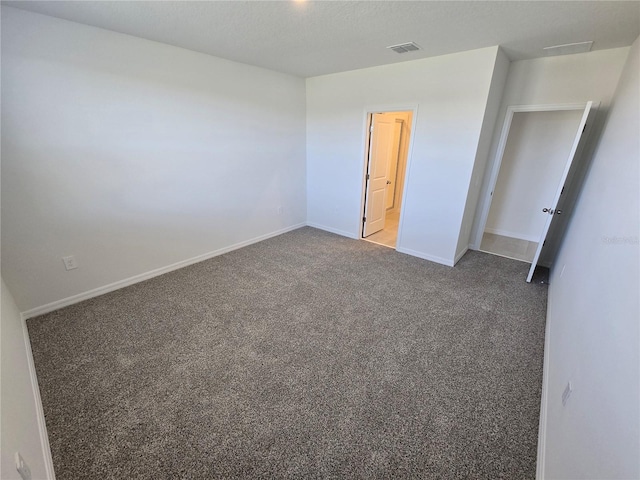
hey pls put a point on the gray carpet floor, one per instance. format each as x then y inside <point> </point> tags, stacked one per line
<point>308,355</point>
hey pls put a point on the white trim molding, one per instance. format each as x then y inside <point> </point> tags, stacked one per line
<point>50,307</point>
<point>519,236</point>
<point>42,424</point>
<point>542,426</point>
<point>368,111</point>
<point>432,258</point>
<point>342,233</point>
<point>460,255</point>
<point>502,144</point>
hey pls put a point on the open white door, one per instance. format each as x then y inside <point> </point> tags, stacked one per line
<point>552,210</point>
<point>381,146</point>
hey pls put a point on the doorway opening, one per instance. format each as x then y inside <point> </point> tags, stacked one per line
<point>389,136</point>
<point>531,181</point>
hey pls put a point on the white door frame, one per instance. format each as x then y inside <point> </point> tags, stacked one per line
<point>502,144</point>
<point>368,111</point>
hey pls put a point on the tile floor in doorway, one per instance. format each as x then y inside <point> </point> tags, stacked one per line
<point>509,247</point>
<point>389,234</point>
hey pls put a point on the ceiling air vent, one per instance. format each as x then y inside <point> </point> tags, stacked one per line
<point>404,47</point>
<point>568,48</point>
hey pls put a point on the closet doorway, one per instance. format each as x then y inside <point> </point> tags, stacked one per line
<point>531,178</point>
<point>386,165</point>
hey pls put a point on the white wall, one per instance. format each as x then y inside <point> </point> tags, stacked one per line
<point>498,81</point>
<point>133,155</point>
<point>451,95</point>
<point>593,314</point>
<point>534,158</point>
<point>19,413</point>
<point>561,79</point>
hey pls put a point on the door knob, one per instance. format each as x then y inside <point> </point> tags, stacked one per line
<point>388,182</point>
<point>550,211</point>
<point>558,212</point>
<point>545,210</point>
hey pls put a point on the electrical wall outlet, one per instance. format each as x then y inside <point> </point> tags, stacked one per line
<point>567,393</point>
<point>69,262</point>
<point>22,467</point>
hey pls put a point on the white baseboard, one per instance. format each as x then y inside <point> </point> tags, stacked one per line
<point>475,246</point>
<point>407,251</point>
<point>542,427</point>
<point>381,244</point>
<point>50,307</point>
<point>460,255</point>
<point>424,256</point>
<point>519,236</point>
<point>42,424</point>
<point>342,233</point>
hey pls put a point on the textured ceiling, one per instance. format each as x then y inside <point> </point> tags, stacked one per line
<point>319,37</point>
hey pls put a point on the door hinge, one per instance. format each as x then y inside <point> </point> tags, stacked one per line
<point>367,176</point>
<point>584,128</point>
<point>371,128</point>
<point>544,243</point>
<point>364,219</point>
<point>562,191</point>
